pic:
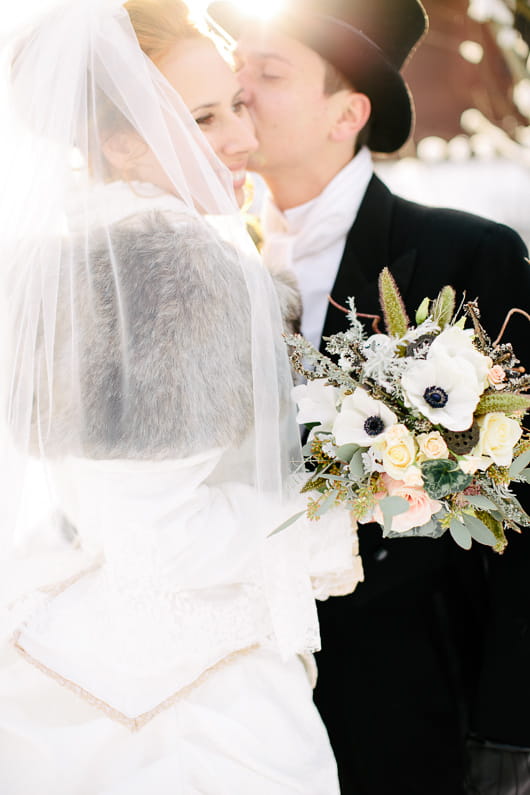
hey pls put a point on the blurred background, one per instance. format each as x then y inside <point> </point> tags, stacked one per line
<point>470,79</point>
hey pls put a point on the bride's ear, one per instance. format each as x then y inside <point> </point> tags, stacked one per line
<point>122,149</point>
<point>353,114</point>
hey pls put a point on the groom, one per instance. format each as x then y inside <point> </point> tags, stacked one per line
<point>433,649</point>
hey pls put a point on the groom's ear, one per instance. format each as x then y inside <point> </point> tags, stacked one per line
<point>353,112</point>
<point>122,149</point>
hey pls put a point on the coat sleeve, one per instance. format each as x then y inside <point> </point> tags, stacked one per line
<point>502,701</point>
<point>501,272</point>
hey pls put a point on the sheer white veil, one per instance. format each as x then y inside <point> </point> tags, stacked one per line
<point>138,323</point>
<point>80,71</point>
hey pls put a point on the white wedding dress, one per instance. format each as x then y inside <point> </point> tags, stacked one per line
<point>167,677</point>
<point>155,634</point>
<point>165,647</point>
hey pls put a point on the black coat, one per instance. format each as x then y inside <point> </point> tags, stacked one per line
<point>436,642</point>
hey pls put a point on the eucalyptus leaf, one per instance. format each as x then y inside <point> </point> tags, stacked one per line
<point>432,529</point>
<point>478,531</point>
<point>346,452</point>
<point>519,464</point>
<point>307,449</point>
<point>442,477</point>
<point>460,534</point>
<point>495,526</point>
<point>390,507</point>
<point>357,471</point>
<point>287,523</point>
<point>328,503</point>
<point>479,501</point>
<point>336,479</point>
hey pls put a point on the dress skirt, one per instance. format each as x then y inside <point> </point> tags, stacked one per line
<point>248,728</point>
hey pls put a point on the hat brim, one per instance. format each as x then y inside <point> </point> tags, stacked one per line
<point>359,59</point>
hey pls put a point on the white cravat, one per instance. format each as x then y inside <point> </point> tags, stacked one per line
<point>310,239</point>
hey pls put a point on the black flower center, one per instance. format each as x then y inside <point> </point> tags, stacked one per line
<point>436,397</point>
<point>374,425</point>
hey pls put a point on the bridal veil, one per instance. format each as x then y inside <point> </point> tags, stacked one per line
<point>147,434</point>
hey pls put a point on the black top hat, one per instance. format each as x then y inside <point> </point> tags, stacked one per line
<point>367,40</point>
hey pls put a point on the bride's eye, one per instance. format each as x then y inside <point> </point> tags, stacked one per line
<point>205,121</point>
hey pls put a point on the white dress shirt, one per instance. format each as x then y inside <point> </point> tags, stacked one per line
<point>310,239</point>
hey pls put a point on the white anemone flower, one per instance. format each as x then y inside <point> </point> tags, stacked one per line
<point>443,389</point>
<point>455,341</point>
<point>362,420</point>
<point>317,402</point>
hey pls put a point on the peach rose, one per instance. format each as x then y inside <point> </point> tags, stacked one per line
<point>496,376</point>
<point>421,506</point>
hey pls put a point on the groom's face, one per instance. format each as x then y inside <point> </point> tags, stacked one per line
<point>283,84</point>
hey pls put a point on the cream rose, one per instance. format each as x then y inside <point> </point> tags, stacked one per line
<point>431,445</point>
<point>397,450</point>
<point>498,436</point>
<point>471,463</point>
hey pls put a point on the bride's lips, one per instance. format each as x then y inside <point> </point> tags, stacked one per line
<point>239,177</point>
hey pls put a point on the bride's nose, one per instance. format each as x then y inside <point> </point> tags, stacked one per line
<point>240,137</point>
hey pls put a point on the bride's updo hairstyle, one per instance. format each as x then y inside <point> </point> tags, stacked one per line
<point>160,24</point>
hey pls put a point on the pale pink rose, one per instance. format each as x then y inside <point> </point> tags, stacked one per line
<point>496,376</point>
<point>422,507</point>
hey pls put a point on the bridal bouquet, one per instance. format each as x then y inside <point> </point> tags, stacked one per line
<point>419,429</point>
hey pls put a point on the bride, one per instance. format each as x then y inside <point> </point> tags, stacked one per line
<point>156,633</point>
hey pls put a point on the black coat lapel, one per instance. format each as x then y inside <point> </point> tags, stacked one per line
<point>368,250</point>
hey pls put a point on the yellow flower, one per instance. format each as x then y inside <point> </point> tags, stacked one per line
<point>432,445</point>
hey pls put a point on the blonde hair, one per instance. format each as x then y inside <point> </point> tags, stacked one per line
<point>160,24</point>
